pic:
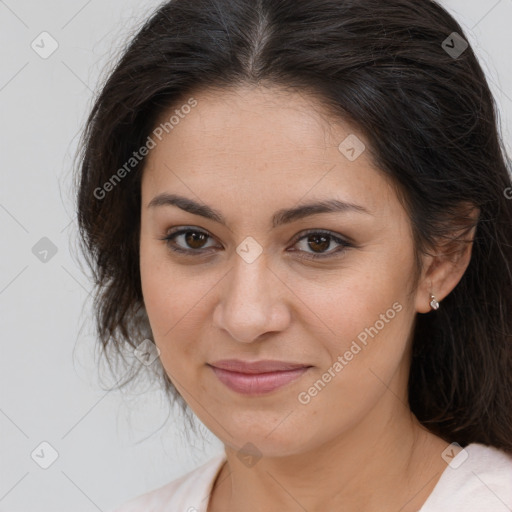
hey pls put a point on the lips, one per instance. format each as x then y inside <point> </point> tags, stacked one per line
<point>258,377</point>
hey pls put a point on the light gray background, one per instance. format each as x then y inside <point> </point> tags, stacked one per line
<point>50,389</point>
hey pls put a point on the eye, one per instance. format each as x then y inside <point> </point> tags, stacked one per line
<point>193,243</point>
<point>193,239</point>
<point>320,241</point>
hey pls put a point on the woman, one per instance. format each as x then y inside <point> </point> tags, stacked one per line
<point>305,206</point>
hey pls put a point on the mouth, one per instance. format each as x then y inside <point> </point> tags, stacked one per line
<point>258,377</point>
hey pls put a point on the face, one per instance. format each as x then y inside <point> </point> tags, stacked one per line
<point>325,296</point>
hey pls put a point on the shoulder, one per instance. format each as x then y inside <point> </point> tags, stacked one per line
<point>188,493</point>
<point>478,478</point>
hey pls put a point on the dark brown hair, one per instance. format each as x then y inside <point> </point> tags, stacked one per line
<point>415,91</point>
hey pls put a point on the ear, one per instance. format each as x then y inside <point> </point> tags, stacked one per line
<point>446,263</point>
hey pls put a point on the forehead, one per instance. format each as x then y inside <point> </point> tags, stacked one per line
<point>256,118</point>
<point>252,143</point>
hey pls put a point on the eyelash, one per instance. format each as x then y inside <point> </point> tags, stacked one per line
<point>310,256</point>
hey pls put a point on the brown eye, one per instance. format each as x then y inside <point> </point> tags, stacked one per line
<point>318,242</point>
<point>194,239</point>
<point>190,241</point>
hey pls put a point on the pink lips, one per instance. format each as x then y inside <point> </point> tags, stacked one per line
<point>255,378</point>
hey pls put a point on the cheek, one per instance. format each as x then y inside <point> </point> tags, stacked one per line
<point>366,328</point>
<point>367,316</point>
<point>354,299</point>
<point>176,301</point>
<point>154,289</point>
<point>163,296</point>
<point>363,361</point>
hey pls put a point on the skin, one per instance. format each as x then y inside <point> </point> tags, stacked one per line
<point>249,152</point>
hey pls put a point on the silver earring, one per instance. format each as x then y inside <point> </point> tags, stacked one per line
<point>433,302</point>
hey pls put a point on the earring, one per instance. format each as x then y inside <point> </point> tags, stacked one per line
<point>433,302</point>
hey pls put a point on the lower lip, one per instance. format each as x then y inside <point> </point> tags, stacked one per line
<point>257,384</point>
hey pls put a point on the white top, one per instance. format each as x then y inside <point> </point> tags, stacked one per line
<point>478,478</point>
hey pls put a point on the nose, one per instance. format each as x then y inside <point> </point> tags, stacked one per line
<point>252,301</point>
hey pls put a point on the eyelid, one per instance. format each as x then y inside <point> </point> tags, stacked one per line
<point>343,241</point>
<point>180,230</point>
<point>336,236</point>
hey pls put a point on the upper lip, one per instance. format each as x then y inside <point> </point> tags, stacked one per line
<point>264,366</point>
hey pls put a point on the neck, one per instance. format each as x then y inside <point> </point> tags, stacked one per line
<point>385,462</point>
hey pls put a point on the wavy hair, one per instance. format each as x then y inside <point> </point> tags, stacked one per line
<point>396,71</point>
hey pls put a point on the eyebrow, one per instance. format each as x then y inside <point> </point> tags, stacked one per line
<point>284,216</point>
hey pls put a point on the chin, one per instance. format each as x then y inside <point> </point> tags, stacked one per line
<point>267,438</point>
